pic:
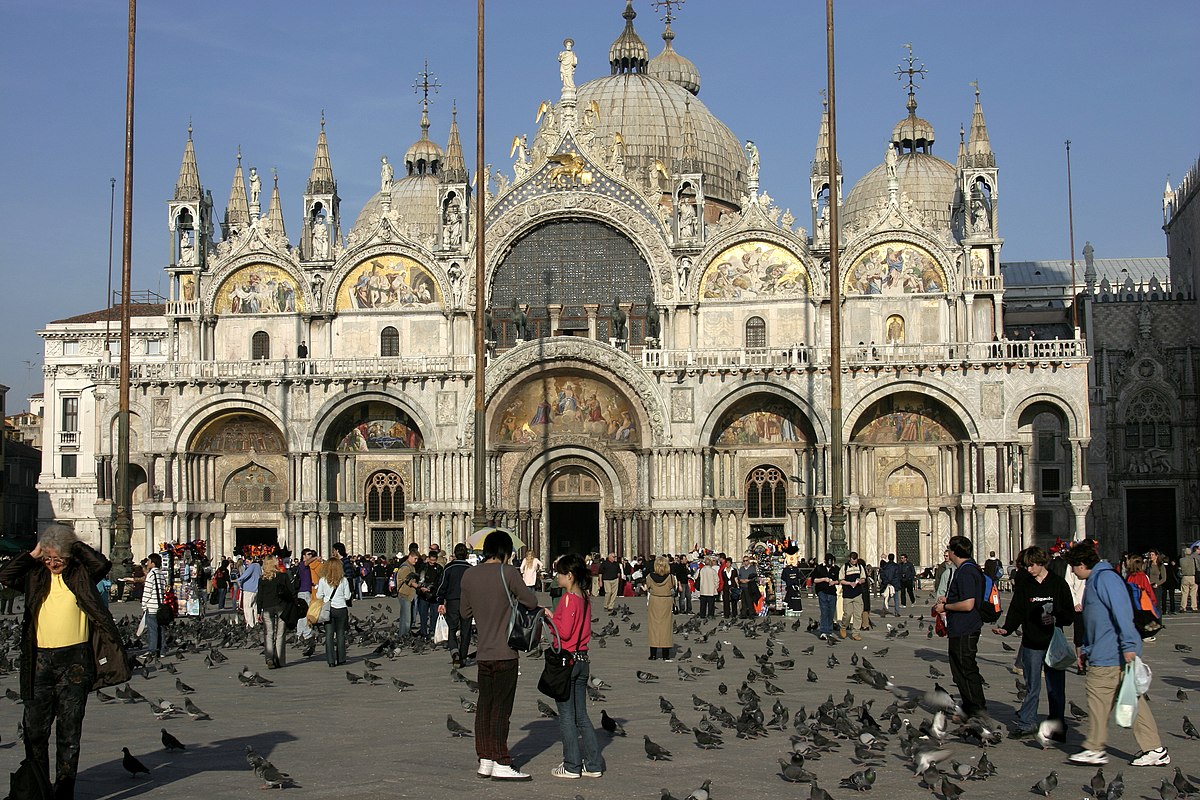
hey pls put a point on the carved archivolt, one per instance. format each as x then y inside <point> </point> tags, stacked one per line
<point>504,232</point>
<point>218,278</point>
<point>357,256</point>
<point>581,354</point>
<point>927,243</point>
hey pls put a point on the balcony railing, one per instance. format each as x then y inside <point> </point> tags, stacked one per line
<point>183,308</point>
<point>292,369</point>
<point>68,438</point>
<point>870,355</point>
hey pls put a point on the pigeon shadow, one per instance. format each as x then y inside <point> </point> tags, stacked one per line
<point>928,654</point>
<point>109,779</point>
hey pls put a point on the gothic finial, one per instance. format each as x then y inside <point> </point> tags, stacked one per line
<point>322,119</point>
<point>975,85</point>
<point>275,176</point>
<point>189,127</point>
<point>913,70</point>
<point>668,9</point>
<point>239,155</point>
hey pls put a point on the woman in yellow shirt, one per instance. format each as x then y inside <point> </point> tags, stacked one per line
<point>69,646</point>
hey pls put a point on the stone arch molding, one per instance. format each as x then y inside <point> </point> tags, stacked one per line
<point>204,411</point>
<point>934,247</point>
<point>727,239</point>
<point>534,465</point>
<point>231,267</point>
<point>351,259</point>
<point>327,414</point>
<point>1047,395</point>
<point>924,472</point>
<point>523,218</point>
<point>573,351</point>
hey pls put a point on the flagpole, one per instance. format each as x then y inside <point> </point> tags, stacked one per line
<point>837,518</point>
<point>1071,229</point>
<point>479,510</point>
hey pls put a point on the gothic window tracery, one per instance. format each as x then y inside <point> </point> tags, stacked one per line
<point>1148,422</point>
<point>385,497</point>
<point>766,493</point>
<point>252,486</point>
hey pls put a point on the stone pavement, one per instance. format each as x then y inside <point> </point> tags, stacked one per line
<point>347,741</point>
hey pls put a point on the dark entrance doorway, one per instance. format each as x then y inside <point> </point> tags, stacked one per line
<point>574,527</point>
<point>249,536</point>
<point>1150,520</point>
<point>908,539</point>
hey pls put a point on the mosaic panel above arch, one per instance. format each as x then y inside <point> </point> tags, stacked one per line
<point>762,421</point>
<point>752,270</point>
<point>374,426</point>
<point>907,418</point>
<point>895,268</point>
<point>565,406</point>
<point>388,282</point>
<point>238,433</point>
<point>259,289</point>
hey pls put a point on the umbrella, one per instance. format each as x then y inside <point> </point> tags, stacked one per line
<point>476,540</point>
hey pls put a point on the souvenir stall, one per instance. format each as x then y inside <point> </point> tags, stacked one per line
<point>186,563</point>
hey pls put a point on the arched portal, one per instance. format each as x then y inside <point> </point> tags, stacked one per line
<point>573,498</point>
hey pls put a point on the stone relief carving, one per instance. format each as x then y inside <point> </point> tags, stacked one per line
<point>446,411</point>
<point>682,404</point>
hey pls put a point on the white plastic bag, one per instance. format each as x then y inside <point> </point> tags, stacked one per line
<point>1060,654</point>
<point>441,631</point>
<point>1141,676</point>
<point>141,628</point>
<point>1125,709</point>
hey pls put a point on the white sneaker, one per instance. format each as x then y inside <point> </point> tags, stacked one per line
<point>587,773</point>
<point>561,771</point>
<point>1152,758</point>
<point>1089,757</point>
<point>486,765</point>
<point>505,772</point>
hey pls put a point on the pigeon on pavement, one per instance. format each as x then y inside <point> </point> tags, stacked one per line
<point>170,742</point>
<point>1047,784</point>
<point>656,752</point>
<point>611,725</point>
<point>456,730</point>
<point>131,764</point>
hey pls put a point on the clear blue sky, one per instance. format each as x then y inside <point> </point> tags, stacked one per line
<point>1118,79</point>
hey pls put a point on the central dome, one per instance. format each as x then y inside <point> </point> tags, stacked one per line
<point>649,114</point>
<point>931,183</point>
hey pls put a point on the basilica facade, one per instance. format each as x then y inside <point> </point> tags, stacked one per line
<point>658,363</point>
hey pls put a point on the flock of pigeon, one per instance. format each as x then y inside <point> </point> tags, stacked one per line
<point>743,693</point>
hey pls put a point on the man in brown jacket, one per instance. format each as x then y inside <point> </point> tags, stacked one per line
<point>485,598</point>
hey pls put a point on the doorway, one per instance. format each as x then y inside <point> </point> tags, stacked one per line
<point>908,539</point>
<point>574,527</point>
<point>1152,513</point>
<point>255,536</point>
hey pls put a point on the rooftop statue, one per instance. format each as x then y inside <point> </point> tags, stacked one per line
<point>567,60</point>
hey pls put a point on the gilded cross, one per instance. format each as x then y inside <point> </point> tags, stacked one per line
<point>914,69</point>
<point>671,7</point>
<point>424,83</point>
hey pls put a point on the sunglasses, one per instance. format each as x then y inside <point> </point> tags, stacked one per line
<point>53,561</point>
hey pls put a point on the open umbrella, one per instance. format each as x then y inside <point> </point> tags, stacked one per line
<point>476,540</point>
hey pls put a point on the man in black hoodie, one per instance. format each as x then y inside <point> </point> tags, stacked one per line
<point>448,595</point>
<point>1039,604</point>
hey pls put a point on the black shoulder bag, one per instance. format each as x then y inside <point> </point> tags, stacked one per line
<point>555,682</point>
<point>524,624</point>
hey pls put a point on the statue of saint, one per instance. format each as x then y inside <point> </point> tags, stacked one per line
<point>318,284</point>
<point>567,60</point>
<point>385,175</point>
<point>255,186</point>
<point>979,216</point>
<point>681,271</point>
<point>452,233</point>
<point>1089,256</point>
<point>320,239</point>
<point>455,274</point>
<point>688,225</point>
<point>890,160</point>
<point>187,249</point>
<point>752,154</point>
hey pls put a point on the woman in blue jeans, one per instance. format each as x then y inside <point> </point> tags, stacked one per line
<point>1041,602</point>
<point>572,619</point>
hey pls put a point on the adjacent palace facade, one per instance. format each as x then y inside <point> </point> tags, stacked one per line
<point>658,367</point>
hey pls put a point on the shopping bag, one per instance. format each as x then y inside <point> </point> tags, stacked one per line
<point>441,631</point>
<point>141,628</point>
<point>1125,709</point>
<point>1060,654</point>
<point>1141,676</point>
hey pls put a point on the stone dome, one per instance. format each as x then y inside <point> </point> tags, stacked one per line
<point>649,112</point>
<point>671,67</point>
<point>931,183</point>
<point>415,197</point>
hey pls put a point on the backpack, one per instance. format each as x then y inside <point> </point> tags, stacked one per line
<point>990,609</point>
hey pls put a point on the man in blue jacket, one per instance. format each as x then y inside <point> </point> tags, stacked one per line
<point>1110,641</point>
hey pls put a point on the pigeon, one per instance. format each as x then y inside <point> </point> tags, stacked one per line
<point>131,764</point>
<point>794,773</point>
<point>1047,730</point>
<point>1047,784</point>
<point>656,752</point>
<point>253,759</point>
<point>352,677</point>
<point>544,710</point>
<point>1181,695</point>
<point>1189,730</point>
<point>1098,783</point>
<point>1183,648</point>
<point>722,689</point>
<point>1078,712</point>
<point>935,673</point>
<point>104,698</point>
<point>271,777</point>
<point>812,676</point>
<point>950,791</point>
<point>860,781</point>
<point>703,792</point>
<point>1167,791</point>
<point>170,742</point>
<point>193,710</point>
<point>676,724</point>
<point>1181,783</point>
<point>611,725</point>
<point>456,730</point>
<point>183,687</point>
<point>646,677</point>
<point>467,705</point>
<point>401,685</point>
<point>815,792</point>
<point>706,740</point>
<point>1115,788</point>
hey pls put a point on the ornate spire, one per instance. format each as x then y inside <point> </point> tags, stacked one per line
<point>275,212</point>
<point>237,213</point>
<point>628,53</point>
<point>820,162</point>
<point>979,149</point>
<point>320,177</point>
<point>456,165</point>
<point>689,161</point>
<point>962,147</point>
<point>188,185</point>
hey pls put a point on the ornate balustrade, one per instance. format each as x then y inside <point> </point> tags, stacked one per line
<point>290,369</point>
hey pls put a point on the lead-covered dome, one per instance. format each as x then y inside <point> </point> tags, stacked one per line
<point>671,67</point>
<point>414,196</point>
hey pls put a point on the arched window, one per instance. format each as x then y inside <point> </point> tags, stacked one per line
<point>385,497</point>
<point>766,494</point>
<point>389,342</point>
<point>260,345</point>
<point>756,333</point>
<point>1148,422</point>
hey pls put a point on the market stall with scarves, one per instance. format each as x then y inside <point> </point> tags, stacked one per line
<point>188,565</point>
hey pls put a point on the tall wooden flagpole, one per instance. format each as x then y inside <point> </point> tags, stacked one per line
<point>837,517</point>
<point>479,510</point>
